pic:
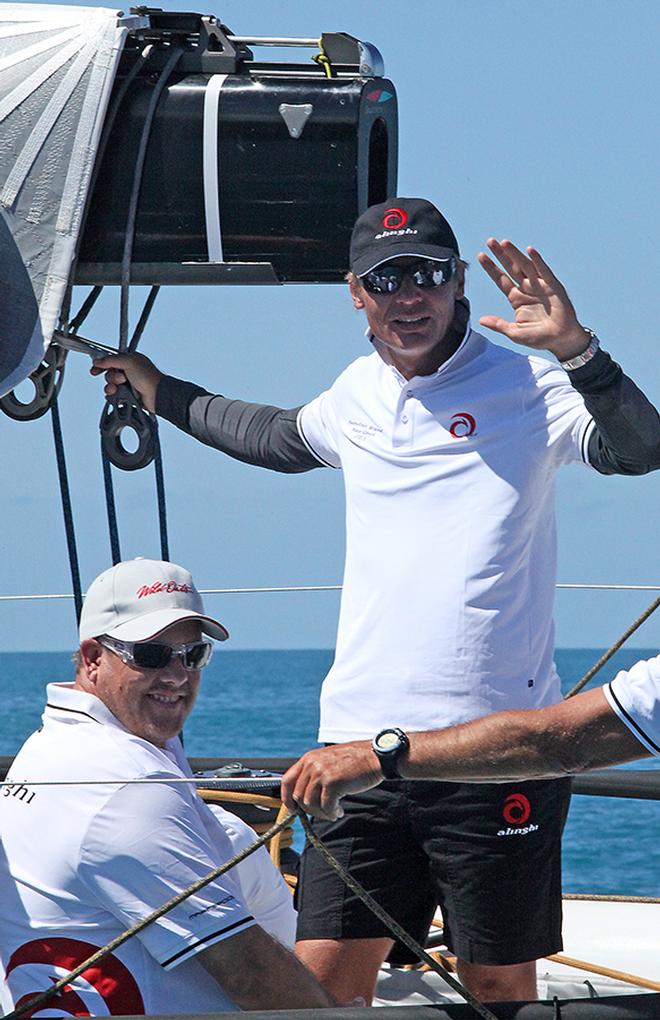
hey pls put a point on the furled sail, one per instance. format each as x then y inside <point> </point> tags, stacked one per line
<point>57,67</point>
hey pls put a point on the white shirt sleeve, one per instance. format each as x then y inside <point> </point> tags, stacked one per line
<point>318,429</point>
<point>264,891</point>
<point>634,695</point>
<point>569,424</point>
<point>146,845</point>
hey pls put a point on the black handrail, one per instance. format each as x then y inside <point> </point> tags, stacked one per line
<point>635,784</point>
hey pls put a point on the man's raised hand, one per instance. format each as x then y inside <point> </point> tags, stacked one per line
<point>544,317</point>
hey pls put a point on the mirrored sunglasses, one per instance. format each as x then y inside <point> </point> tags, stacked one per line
<point>387,279</point>
<point>156,655</point>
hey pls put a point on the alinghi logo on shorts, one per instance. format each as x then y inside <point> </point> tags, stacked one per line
<point>516,811</point>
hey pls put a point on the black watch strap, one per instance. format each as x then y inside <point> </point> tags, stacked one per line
<point>389,745</point>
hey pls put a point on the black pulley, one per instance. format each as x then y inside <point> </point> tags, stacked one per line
<point>252,174</point>
<point>124,413</point>
<point>46,379</point>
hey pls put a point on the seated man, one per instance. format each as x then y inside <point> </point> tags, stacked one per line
<point>610,725</point>
<point>81,863</point>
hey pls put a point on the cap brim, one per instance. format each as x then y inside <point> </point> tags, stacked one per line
<point>149,625</point>
<point>364,265</point>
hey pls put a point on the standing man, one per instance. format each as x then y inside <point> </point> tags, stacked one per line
<point>81,863</point>
<point>449,447</point>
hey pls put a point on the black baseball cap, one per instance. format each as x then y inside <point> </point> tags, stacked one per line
<point>400,226</point>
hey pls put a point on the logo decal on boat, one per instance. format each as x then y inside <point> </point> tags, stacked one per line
<point>379,96</point>
<point>463,424</point>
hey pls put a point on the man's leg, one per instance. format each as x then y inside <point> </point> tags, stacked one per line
<point>499,984</point>
<point>346,968</point>
<point>339,938</point>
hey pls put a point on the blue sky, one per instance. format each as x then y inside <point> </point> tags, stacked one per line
<point>533,121</point>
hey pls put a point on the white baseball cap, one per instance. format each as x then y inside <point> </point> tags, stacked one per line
<point>137,599</point>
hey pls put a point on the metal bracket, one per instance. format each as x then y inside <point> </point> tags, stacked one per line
<point>295,116</point>
<point>124,411</point>
<point>46,379</point>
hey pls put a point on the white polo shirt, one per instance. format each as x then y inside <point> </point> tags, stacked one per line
<point>82,863</point>
<point>634,695</point>
<point>446,610</point>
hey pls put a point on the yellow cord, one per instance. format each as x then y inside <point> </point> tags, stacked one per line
<point>322,58</point>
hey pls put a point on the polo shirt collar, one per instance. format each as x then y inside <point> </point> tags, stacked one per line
<point>66,697</point>
<point>468,349</point>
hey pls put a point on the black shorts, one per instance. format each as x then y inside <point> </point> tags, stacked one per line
<point>488,854</point>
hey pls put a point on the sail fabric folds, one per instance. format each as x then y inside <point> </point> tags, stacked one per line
<point>57,67</point>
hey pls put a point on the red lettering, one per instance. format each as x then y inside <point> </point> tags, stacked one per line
<point>166,586</point>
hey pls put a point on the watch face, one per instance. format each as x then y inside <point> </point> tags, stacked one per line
<point>388,740</point>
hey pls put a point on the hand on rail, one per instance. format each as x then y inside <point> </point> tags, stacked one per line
<point>318,781</point>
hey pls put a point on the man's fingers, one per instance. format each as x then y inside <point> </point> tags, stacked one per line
<point>512,258</point>
<point>496,273</point>
<point>543,269</point>
<point>498,324</point>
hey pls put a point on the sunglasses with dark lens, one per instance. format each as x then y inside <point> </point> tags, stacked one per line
<point>155,655</point>
<point>388,278</point>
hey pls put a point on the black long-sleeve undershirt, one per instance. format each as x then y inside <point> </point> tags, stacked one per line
<point>625,441</point>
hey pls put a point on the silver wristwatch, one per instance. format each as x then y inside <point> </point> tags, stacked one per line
<point>581,359</point>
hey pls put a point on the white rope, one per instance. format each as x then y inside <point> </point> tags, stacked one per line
<point>331,587</point>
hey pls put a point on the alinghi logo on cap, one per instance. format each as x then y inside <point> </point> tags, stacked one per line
<point>395,218</point>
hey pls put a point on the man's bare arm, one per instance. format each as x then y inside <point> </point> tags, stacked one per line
<point>258,973</point>
<point>582,733</point>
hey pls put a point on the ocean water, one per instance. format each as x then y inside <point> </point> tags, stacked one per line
<point>265,703</point>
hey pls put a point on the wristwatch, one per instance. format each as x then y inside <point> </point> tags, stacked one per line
<point>581,359</point>
<point>389,745</point>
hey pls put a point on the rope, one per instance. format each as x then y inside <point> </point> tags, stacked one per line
<point>613,648</point>
<point>131,216</point>
<point>144,318</point>
<point>32,1004</point>
<point>67,510</point>
<point>610,898</point>
<point>110,508</point>
<point>400,933</point>
<point>322,59</point>
<point>160,493</point>
<point>74,325</point>
<point>609,972</point>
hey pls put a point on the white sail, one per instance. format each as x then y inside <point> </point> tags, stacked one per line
<point>57,67</point>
